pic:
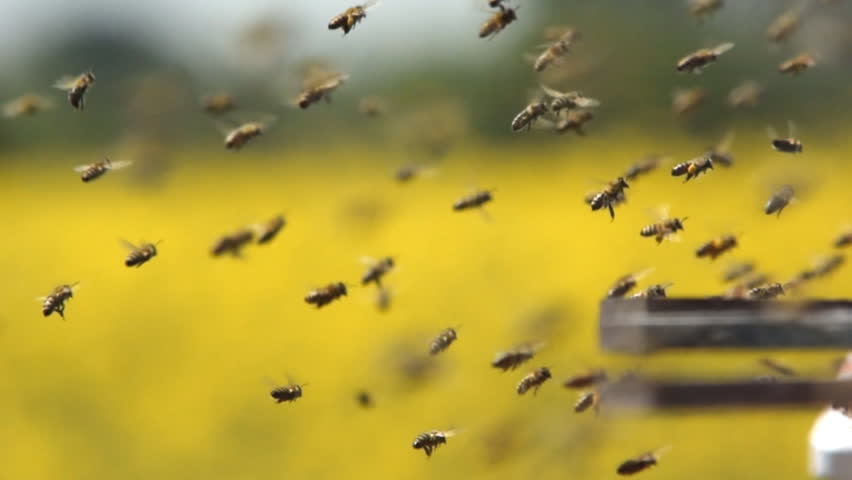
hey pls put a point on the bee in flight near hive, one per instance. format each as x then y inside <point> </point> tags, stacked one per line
<point>28,104</point>
<point>533,380</point>
<point>626,283</point>
<point>287,393</point>
<point>498,21</point>
<point>784,26</point>
<point>219,103</point>
<point>442,341</point>
<point>554,52</point>
<point>95,170</point>
<point>514,358</point>
<point>324,295</point>
<point>568,100</point>
<point>779,200</point>
<point>319,86</point>
<point>474,200</point>
<point>430,441</point>
<point>55,300</point>
<point>699,59</point>
<point>377,270</point>
<point>236,138</point>
<point>654,291</point>
<point>640,463</point>
<point>372,107</point>
<point>737,271</point>
<point>586,401</point>
<point>716,247</point>
<point>844,239</point>
<point>666,228</point>
<point>703,8</point>
<point>586,380</point>
<point>687,100</point>
<point>139,254</point>
<point>527,117</point>
<point>827,265</point>
<point>797,64</point>
<point>269,230</point>
<point>785,145</point>
<point>643,166</point>
<point>570,120</point>
<point>609,197</point>
<point>746,94</point>
<point>76,88</point>
<point>351,17</point>
<point>693,168</point>
<point>232,243</point>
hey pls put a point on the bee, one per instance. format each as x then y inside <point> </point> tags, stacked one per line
<point>716,247</point>
<point>218,103</point>
<point>139,255</point>
<point>779,200</point>
<point>609,196</point>
<point>349,18</point>
<point>697,60</point>
<point>736,271</point>
<point>702,8</point>
<point>238,137</point>
<point>654,291</point>
<point>429,441</point>
<point>442,341</point>
<point>828,265</point>
<point>232,243</point>
<point>95,170</point>
<point>267,231</point>
<point>667,228</point>
<point>287,393</point>
<point>686,100</point>
<point>720,153</point>
<point>573,120</point>
<point>28,104</point>
<point>364,399</point>
<point>568,100</point>
<point>783,26</point>
<point>76,87</point>
<point>746,94</point>
<point>797,64</point>
<point>843,240</point>
<point>528,116</point>
<point>513,359</point>
<point>555,51</point>
<point>785,145</point>
<point>766,292</point>
<point>533,380</point>
<point>319,88</point>
<point>642,166</point>
<point>693,168</point>
<point>626,283</point>
<point>55,300</point>
<point>324,295</point>
<point>408,172</point>
<point>586,401</point>
<point>372,107</point>
<point>375,273</point>
<point>498,21</point>
<point>640,463</point>
<point>586,380</point>
<point>755,280</point>
<point>474,200</point>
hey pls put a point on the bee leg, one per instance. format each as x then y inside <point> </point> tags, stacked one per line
<point>611,211</point>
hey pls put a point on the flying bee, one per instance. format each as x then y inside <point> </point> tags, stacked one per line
<point>697,60</point>
<point>777,366</point>
<point>785,145</point>
<point>139,254</point>
<point>666,228</point>
<point>586,380</point>
<point>609,196</point>
<point>267,231</point>
<point>586,401</point>
<point>797,64</point>
<point>232,243</point>
<point>218,103</point>
<point>498,21</point>
<point>287,393</point>
<point>573,120</point>
<point>372,107</point>
<point>410,171</point>
<point>736,271</point>
<point>687,100</point>
<point>28,104</point>
<point>349,18</point>
<point>716,247</point>
<point>324,295</point>
<point>429,441</point>
<point>442,341</point>
<point>703,8</point>
<point>779,200</point>
<point>746,94</point>
<point>238,137</point>
<point>643,166</point>
<point>533,380</point>
<point>528,116</point>
<point>554,52</point>
<point>640,463</point>
<point>654,291</point>
<point>95,170</point>
<point>55,300</point>
<point>568,100</point>
<point>76,87</point>
<point>514,358</point>
<point>766,292</point>
<point>843,240</point>
<point>827,265</point>
<point>783,26</point>
<point>626,283</point>
<point>720,153</point>
<point>376,271</point>
<point>755,280</point>
<point>693,168</point>
<point>319,88</point>
<point>474,200</point>
<point>364,399</point>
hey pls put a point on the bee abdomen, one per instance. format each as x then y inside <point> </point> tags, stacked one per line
<point>681,169</point>
<point>650,231</point>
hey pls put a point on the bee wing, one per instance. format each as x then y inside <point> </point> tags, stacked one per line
<point>66,82</point>
<point>128,245</point>
<point>551,92</point>
<point>367,260</point>
<point>371,4</point>
<point>791,128</point>
<point>661,451</point>
<point>40,299</point>
<point>661,212</point>
<point>452,432</point>
<point>727,141</point>
<point>673,237</point>
<point>723,48</point>
<point>771,133</point>
<point>119,164</point>
<point>644,273</point>
<point>587,102</point>
<point>81,168</point>
<point>544,124</point>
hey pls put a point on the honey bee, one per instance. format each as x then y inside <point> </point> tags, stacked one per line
<point>699,59</point>
<point>349,18</point>
<point>766,292</point>
<point>785,145</point>
<point>232,243</point>
<point>626,283</point>
<point>686,100</point>
<point>716,247</point>
<point>777,366</point>
<point>737,270</point>
<point>702,8</point>
<point>720,153</point>
<point>827,265</point>
<point>498,21</point>
<point>372,107</point>
<point>76,87</point>
<point>783,26</point>
<point>779,200</point>
<point>642,166</point>
<point>514,358</point>
<point>693,168</point>
<point>55,300</point>
<point>797,64</point>
<point>553,52</point>
<point>324,295</point>
<point>843,240</point>
<point>573,120</point>
<point>586,380</point>
<point>287,393</point>
<point>586,401</point>
<point>95,170</point>
<point>408,172</point>
<point>568,100</point>
<point>746,94</point>
<point>375,273</point>
<point>267,231</point>
<point>654,291</point>
<point>139,255</point>
<point>28,104</point>
<point>318,88</point>
<point>364,399</point>
<point>528,116</point>
<point>533,380</point>
<point>474,200</point>
<point>640,463</point>
<point>609,196</point>
<point>219,103</point>
<point>442,341</point>
<point>429,441</point>
<point>667,228</point>
<point>238,137</point>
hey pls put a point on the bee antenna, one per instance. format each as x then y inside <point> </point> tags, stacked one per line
<point>159,241</point>
<point>305,384</point>
<point>684,219</point>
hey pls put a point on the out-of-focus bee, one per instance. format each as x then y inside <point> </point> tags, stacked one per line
<point>364,399</point>
<point>528,116</point>
<point>640,463</point>
<point>586,380</point>
<point>686,100</point>
<point>514,358</point>
<point>716,247</point>
<point>720,153</point>
<point>797,64</point>
<point>318,88</point>
<point>766,292</point>
<point>28,104</point>
<point>409,171</point>
<point>267,231</point>
<point>777,366</point>
<point>783,26</point>
<point>533,380</point>
<point>429,441</point>
<point>697,60</point>
<point>372,107</point>
<point>666,228</point>
<point>55,300</point>
<point>383,299</point>
<point>474,200</point>
<point>702,8</point>
<point>755,280</point>
<point>573,120</point>
<point>349,18</point>
<point>442,341</point>
<point>218,103</point>
<point>586,401</point>
<point>139,254</point>
<point>568,100</point>
<point>232,243</point>
<point>553,52</point>
<point>498,21</point>
<point>626,283</point>
<point>324,295</point>
<point>779,200</point>
<point>843,240</point>
<point>95,170</point>
<point>746,94</point>
<point>237,138</point>
<point>737,271</point>
<point>785,145</point>
<point>377,270</point>
<point>609,196</point>
<point>827,265</point>
<point>693,168</point>
<point>287,393</point>
<point>643,166</point>
<point>654,291</point>
<point>76,87</point>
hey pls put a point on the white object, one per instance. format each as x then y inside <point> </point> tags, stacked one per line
<point>831,438</point>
